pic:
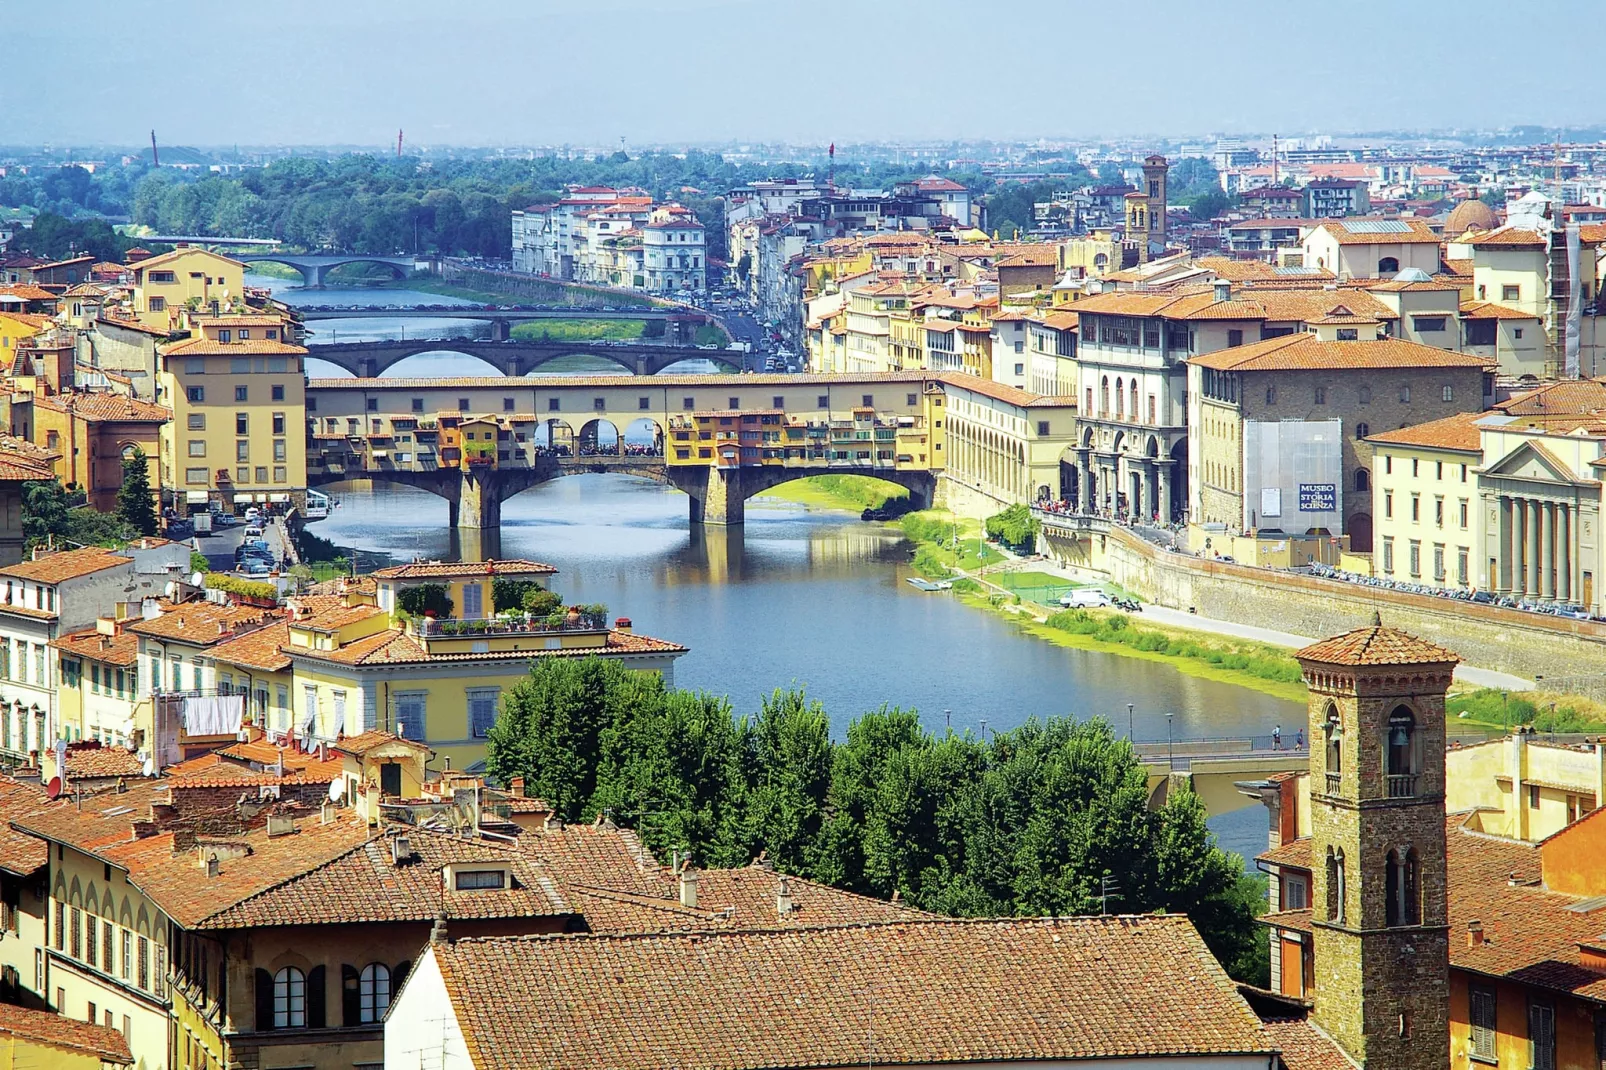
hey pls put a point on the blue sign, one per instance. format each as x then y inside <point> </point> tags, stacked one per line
<point>1318,498</point>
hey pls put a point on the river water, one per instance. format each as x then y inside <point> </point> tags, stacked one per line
<point>800,597</point>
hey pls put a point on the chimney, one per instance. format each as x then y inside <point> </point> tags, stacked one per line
<point>515,787</point>
<point>401,849</point>
<point>438,934</point>
<point>688,887</point>
<point>1222,290</point>
<point>326,812</point>
<point>622,624</point>
<point>280,825</point>
<point>209,863</point>
<point>783,897</point>
<point>1474,933</point>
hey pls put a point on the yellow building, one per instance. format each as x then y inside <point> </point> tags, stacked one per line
<point>100,696</point>
<point>238,396</point>
<point>1525,787</point>
<point>183,280</point>
<point>32,1039</point>
<point>1427,523</point>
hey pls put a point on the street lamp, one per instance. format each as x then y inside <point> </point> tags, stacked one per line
<point>948,720</point>
<point>1129,734</point>
<point>1170,745</point>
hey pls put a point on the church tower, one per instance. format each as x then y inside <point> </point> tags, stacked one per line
<point>1155,170</point>
<point>1379,917</point>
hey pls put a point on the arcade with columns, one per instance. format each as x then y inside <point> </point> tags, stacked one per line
<point>1538,549</point>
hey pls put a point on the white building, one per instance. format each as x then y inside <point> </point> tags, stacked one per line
<point>674,256</point>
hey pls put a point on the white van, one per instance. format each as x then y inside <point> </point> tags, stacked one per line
<point>1086,598</point>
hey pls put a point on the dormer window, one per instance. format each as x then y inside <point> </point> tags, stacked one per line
<point>476,880</point>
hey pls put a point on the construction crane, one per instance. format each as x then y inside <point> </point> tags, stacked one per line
<point>156,161</point>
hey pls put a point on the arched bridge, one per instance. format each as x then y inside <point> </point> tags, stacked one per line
<point>369,360</point>
<point>312,268</point>
<point>512,315</point>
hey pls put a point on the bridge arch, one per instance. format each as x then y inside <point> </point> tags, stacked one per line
<point>599,435</point>
<point>313,268</point>
<point>644,433</point>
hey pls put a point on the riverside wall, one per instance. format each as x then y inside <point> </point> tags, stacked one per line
<point>1523,644</point>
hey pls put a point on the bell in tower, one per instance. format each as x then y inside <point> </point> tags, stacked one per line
<point>1380,928</point>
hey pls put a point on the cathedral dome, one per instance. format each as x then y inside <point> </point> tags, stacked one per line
<point>1470,214</point>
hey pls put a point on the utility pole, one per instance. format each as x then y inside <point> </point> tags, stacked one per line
<point>156,161</point>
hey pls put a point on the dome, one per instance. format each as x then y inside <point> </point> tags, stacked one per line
<point>1413,274</point>
<point>1470,214</point>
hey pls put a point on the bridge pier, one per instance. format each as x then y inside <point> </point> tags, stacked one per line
<point>479,502</point>
<point>501,330</point>
<point>311,276</point>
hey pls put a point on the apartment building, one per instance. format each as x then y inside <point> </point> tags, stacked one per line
<point>94,433</point>
<point>1004,446</point>
<point>184,280</point>
<point>674,254</point>
<point>1371,248</point>
<point>1427,516</point>
<point>237,391</point>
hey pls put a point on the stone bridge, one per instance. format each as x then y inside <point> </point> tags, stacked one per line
<point>514,315</point>
<point>1220,771</point>
<point>312,268</point>
<point>369,360</point>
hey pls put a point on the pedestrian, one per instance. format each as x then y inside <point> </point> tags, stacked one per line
<point>1277,737</point>
<point>1299,739</point>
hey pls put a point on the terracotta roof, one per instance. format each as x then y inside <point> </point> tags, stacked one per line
<point>95,762</point>
<point>1297,920</point>
<point>1295,853</point>
<point>26,291</point>
<point>1458,432</point>
<point>1510,235</point>
<point>216,771</point>
<point>29,319</point>
<point>1344,231</point>
<point>258,649</point>
<point>327,613</point>
<point>1461,268</point>
<point>96,821</point>
<point>235,319</point>
<point>1492,310</point>
<point>1304,1046</point>
<point>361,744</point>
<point>393,646</point>
<point>201,623</point>
<point>106,406</point>
<point>113,649</point>
<point>1002,392</point>
<point>454,569</point>
<point>24,611</point>
<point>599,855</point>
<point>1298,304</point>
<point>20,853</point>
<point>1295,352</point>
<point>1376,645</point>
<point>82,1039</point>
<point>1571,397</point>
<point>940,991</point>
<point>364,883</point>
<point>65,565</point>
<point>498,382</point>
<point>206,347</point>
<point>156,261</point>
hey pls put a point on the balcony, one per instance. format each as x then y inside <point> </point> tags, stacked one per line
<point>454,628</point>
<point>1335,782</point>
<point>1401,785</point>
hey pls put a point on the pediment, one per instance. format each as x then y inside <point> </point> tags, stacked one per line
<point>1532,461</point>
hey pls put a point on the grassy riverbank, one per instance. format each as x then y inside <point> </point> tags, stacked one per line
<point>1547,711</point>
<point>579,330</point>
<point>852,494</point>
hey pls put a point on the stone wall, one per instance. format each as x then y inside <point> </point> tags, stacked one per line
<point>1524,644</point>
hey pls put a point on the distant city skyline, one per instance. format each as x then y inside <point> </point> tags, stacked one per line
<point>505,72</point>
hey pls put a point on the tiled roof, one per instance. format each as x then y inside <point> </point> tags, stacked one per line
<point>1296,920</point>
<point>65,565</point>
<point>106,406</point>
<point>1376,645</point>
<point>93,762</point>
<point>95,821</point>
<point>1299,304</point>
<point>1458,432</point>
<point>201,623</point>
<point>1295,352</point>
<point>26,291</point>
<point>925,992</point>
<point>20,853</point>
<point>366,884</point>
<point>265,753</point>
<point>215,771</point>
<point>120,649</point>
<point>82,1039</point>
<point>327,613</point>
<point>1304,1046</point>
<point>1295,853</point>
<point>361,744</point>
<point>596,855</point>
<point>1571,397</point>
<point>454,569</point>
<point>1002,392</point>
<point>257,649</point>
<point>175,254</point>
<point>1344,231</point>
<point>207,347</point>
<point>498,382</point>
<point>393,646</point>
<point>1510,235</point>
<point>1493,310</point>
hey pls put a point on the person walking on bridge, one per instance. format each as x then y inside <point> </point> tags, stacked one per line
<point>1277,737</point>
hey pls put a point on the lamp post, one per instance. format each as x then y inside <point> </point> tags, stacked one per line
<point>1129,734</point>
<point>1170,744</point>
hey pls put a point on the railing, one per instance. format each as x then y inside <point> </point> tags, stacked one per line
<point>1401,785</point>
<point>473,628</point>
<point>1335,781</point>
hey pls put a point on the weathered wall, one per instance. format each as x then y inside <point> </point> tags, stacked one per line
<point>1524,644</point>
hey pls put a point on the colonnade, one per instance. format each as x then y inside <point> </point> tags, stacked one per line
<point>1536,547</point>
<point>1105,478</point>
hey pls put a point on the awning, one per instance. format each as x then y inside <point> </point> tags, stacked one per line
<point>278,497</point>
<point>380,455</point>
<point>195,497</point>
<point>246,498</point>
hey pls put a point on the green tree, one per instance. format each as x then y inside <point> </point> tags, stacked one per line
<point>135,505</point>
<point>424,599</point>
<point>44,509</point>
<point>787,755</point>
<point>1015,526</point>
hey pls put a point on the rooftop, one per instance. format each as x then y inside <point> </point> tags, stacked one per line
<point>929,991</point>
<point>463,569</point>
<point>1297,352</point>
<point>80,1039</point>
<point>65,565</point>
<point>1376,645</point>
<point>1459,432</point>
<point>105,406</point>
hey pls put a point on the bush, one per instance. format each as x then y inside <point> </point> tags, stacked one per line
<point>966,585</point>
<point>539,602</point>
<point>928,562</point>
<point>1014,526</point>
<point>217,581</point>
<point>510,594</point>
<point>1118,628</point>
<point>423,600</point>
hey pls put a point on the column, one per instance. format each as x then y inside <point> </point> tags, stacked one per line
<point>1533,547</point>
<point>1519,546</point>
<point>1084,475</point>
<point>1547,549</point>
<point>1163,478</point>
<point>1502,577</point>
<point>1564,548</point>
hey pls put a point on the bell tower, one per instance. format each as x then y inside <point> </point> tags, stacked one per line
<point>1379,916</point>
<point>1155,171</point>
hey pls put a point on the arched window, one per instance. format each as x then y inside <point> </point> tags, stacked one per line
<point>1361,430</point>
<point>1363,480</point>
<point>373,988</point>
<point>1388,265</point>
<point>129,450</point>
<point>1104,396</point>
<point>1334,749</point>
<point>1401,754</point>
<point>1133,408</point>
<point>289,999</point>
<point>1335,884</point>
<point>1403,889</point>
<point>1120,400</point>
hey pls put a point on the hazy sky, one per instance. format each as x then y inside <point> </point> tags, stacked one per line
<point>530,72</point>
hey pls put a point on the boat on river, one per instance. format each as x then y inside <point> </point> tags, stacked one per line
<point>930,585</point>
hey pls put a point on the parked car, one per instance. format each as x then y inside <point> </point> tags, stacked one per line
<point>1086,598</point>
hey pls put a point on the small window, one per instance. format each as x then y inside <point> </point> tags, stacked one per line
<point>242,423</point>
<point>823,401</point>
<point>911,399</point>
<point>1511,293</point>
<point>277,391</point>
<point>197,421</point>
<point>1042,427</point>
<point>776,402</point>
<point>1449,393</point>
<point>688,403</point>
<point>418,404</point>
<point>1363,480</point>
<point>644,403</point>
<point>1484,1007</point>
<point>1405,394</point>
<point>1321,395</point>
<point>507,404</point>
<point>289,999</point>
<point>241,393</point>
<point>1362,430</point>
<point>196,395</point>
<point>1271,395</point>
<point>735,403</point>
<point>480,879</point>
<point>552,404</point>
<point>1235,338</point>
<point>462,404</point>
<point>1349,334</point>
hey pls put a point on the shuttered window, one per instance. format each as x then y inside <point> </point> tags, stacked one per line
<point>1483,1024</point>
<point>1541,1036</point>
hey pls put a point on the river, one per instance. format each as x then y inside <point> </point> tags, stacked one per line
<point>805,597</point>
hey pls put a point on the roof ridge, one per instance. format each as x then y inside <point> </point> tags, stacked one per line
<point>292,878</point>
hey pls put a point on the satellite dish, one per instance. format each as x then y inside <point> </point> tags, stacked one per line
<point>337,790</point>
<point>148,767</point>
<point>53,789</point>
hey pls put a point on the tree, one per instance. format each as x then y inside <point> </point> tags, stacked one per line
<point>1210,203</point>
<point>135,505</point>
<point>1015,526</point>
<point>44,509</point>
<point>744,266</point>
<point>424,599</point>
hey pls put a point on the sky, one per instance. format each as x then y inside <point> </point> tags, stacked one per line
<point>589,72</point>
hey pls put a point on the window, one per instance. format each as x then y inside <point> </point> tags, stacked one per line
<point>1333,747</point>
<point>1463,513</point>
<point>1349,334</point>
<point>481,711</point>
<point>1388,554</point>
<point>1321,395</point>
<point>1461,565</point>
<point>1235,338</point>
<point>1533,796</point>
<point>1483,1010</point>
<point>480,879</point>
<point>262,473</point>
<point>1363,479</point>
<point>552,405</point>
<point>418,404</point>
<point>1365,395</point>
<point>1020,369</point>
<point>144,978</point>
<point>76,945</point>
<point>823,401</point>
<point>279,448</point>
<point>242,475</point>
<point>1335,885</point>
<point>1416,508</point>
<point>1541,1028</point>
<point>278,423</point>
<point>289,999</point>
<point>196,447</point>
<point>1296,895</point>
<point>1438,512</point>
<point>128,955</point>
<point>195,475</point>
<point>1405,394</point>
<point>1511,293</point>
<point>1362,430</point>
<point>1428,324</point>
<point>1480,332</point>
<point>1402,753</point>
<point>1271,395</point>
<point>242,449</point>
<point>1042,427</point>
<point>281,474</point>
<point>156,304</point>
<point>162,276</point>
<point>373,988</point>
<point>242,423</point>
<point>410,722</point>
<point>1416,557</point>
<point>196,394</point>
<point>1438,561</point>
<point>241,393</point>
<point>196,421</point>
